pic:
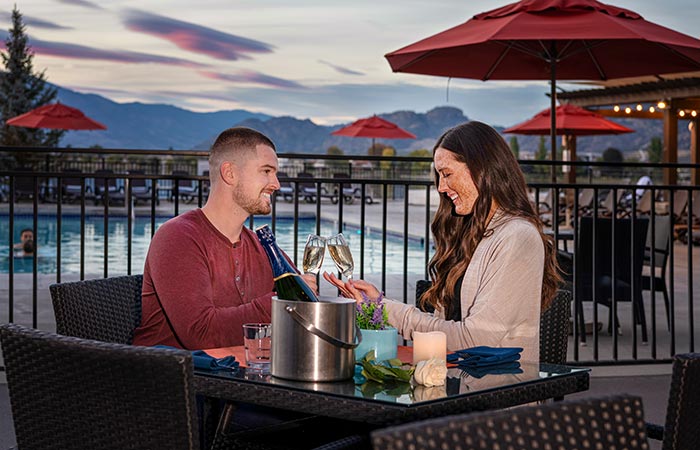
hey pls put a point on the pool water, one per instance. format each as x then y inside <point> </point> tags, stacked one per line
<point>141,237</point>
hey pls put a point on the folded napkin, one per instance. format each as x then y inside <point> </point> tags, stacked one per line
<point>484,356</point>
<point>203,361</point>
<point>511,367</point>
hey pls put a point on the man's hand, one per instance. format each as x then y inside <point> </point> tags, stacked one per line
<point>310,279</point>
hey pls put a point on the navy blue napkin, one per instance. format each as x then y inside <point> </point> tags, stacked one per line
<point>497,369</point>
<point>203,361</point>
<point>484,356</point>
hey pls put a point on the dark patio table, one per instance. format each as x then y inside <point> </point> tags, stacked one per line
<point>373,405</point>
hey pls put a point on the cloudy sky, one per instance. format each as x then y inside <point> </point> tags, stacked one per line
<point>316,59</point>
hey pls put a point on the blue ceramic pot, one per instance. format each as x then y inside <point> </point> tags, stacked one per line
<point>383,342</point>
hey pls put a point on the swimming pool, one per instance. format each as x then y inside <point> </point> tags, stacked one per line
<point>141,237</point>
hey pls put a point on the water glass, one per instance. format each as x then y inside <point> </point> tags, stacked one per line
<point>257,338</point>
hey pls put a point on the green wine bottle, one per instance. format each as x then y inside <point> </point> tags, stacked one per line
<point>289,285</point>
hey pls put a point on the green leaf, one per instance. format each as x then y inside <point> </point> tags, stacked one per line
<point>385,371</point>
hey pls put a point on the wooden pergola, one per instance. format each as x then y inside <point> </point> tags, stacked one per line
<point>680,98</point>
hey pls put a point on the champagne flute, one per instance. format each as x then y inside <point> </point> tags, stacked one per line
<point>313,254</point>
<point>340,252</point>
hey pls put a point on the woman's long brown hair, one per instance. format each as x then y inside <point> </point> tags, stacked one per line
<point>497,176</point>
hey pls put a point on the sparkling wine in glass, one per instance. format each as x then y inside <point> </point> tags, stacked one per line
<point>313,254</point>
<point>340,252</point>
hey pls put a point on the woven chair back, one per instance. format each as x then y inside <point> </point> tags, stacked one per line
<point>554,329</point>
<point>106,309</point>
<point>682,430</point>
<point>69,393</point>
<point>610,422</point>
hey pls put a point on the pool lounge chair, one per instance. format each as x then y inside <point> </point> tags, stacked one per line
<point>350,191</point>
<point>185,188</point>
<point>106,189</point>
<point>141,188</point>
<point>309,190</point>
<point>286,189</point>
<point>71,186</point>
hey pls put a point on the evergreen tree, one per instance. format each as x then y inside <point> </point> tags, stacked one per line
<point>376,149</point>
<point>337,165</point>
<point>387,151</point>
<point>334,150</point>
<point>21,90</point>
<point>421,167</point>
<point>542,151</point>
<point>612,155</point>
<point>655,150</point>
<point>515,146</point>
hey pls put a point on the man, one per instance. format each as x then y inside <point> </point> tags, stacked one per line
<point>206,273</point>
<point>25,246</point>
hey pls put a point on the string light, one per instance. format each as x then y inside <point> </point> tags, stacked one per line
<point>628,110</point>
<point>639,107</point>
<point>651,109</point>
<point>661,104</point>
<point>616,108</point>
<point>693,113</point>
<point>681,113</point>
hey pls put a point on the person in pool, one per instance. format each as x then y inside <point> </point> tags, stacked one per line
<point>25,246</point>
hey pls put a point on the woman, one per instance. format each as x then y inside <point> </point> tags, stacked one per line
<point>494,269</point>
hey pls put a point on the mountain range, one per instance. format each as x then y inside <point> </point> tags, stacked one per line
<point>158,126</point>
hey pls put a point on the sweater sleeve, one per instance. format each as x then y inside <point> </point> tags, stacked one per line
<point>500,297</point>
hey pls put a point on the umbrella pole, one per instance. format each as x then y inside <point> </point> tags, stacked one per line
<point>553,115</point>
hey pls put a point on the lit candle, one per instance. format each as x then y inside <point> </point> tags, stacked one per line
<point>432,344</point>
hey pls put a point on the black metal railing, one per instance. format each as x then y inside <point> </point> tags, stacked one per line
<point>384,201</point>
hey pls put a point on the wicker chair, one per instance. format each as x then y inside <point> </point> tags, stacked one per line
<point>608,422</point>
<point>69,393</point>
<point>106,309</point>
<point>554,329</point>
<point>681,430</point>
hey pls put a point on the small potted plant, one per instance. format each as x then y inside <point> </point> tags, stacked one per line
<point>372,318</point>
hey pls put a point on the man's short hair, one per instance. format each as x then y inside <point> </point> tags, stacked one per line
<point>236,144</point>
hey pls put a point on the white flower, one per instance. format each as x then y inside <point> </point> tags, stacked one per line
<point>431,372</point>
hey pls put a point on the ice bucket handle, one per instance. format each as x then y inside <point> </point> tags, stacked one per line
<point>326,337</point>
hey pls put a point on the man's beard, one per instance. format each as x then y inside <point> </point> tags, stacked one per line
<point>251,205</point>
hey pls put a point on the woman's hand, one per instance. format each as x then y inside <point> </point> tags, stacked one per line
<point>353,288</point>
<point>310,279</point>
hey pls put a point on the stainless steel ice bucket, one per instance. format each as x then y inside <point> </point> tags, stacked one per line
<point>314,341</point>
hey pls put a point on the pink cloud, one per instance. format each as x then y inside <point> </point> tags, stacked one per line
<point>194,38</point>
<point>249,76</point>
<point>75,51</point>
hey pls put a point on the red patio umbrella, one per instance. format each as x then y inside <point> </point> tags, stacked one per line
<point>56,116</point>
<point>374,127</point>
<point>572,121</point>
<point>551,39</point>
